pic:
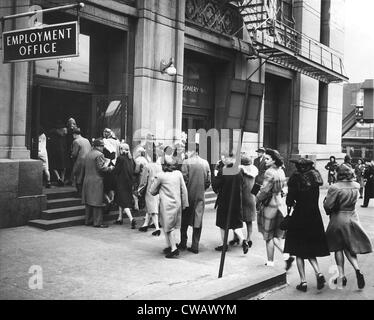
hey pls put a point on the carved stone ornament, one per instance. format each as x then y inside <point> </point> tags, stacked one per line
<point>214,15</point>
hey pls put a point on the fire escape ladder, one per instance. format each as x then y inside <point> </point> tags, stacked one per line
<point>273,33</point>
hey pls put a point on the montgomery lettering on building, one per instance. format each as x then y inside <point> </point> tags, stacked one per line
<point>59,40</point>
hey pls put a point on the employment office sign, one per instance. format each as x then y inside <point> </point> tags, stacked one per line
<point>48,42</point>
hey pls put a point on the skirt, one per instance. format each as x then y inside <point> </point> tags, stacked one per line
<point>268,223</point>
<point>345,232</point>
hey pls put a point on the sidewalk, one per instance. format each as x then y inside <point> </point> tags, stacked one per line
<point>119,263</point>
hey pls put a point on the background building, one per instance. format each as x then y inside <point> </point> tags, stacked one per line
<point>358,127</point>
<point>290,51</point>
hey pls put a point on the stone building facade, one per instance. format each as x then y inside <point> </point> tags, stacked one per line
<point>117,81</point>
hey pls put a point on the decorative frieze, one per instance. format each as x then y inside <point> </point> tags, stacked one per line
<point>214,15</point>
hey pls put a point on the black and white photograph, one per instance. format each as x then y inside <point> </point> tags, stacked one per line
<point>185,155</point>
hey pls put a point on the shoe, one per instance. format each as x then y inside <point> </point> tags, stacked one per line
<point>181,246</point>
<point>195,251</point>
<point>156,233</point>
<point>302,287</point>
<point>234,241</point>
<point>364,206</point>
<point>143,229</point>
<point>360,279</point>
<point>102,226</point>
<point>245,246</point>
<point>152,226</point>
<point>289,262</point>
<point>167,250</point>
<point>249,243</point>
<point>172,254</point>
<point>133,224</point>
<point>118,222</point>
<point>361,197</point>
<point>60,183</point>
<point>344,281</point>
<point>320,281</point>
<point>48,185</point>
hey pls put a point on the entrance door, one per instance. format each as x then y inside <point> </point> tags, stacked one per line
<point>54,106</point>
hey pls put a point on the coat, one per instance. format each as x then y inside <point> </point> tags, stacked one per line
<point>270,195</point>
<point>227,186</point>
<point>344,230</point>
<point>196,174</point>
<point>369,185</point>
<point>93,184</point>
<point>150,171</point>
<point>305,237</point>
<point>80,148</point>
<point>261,166</point>
<point>123,174</point>
<point>173,198</point>
<point>249,174</point>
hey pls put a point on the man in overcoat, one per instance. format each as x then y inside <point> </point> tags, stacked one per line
<point>93,184</point>
<point>80,148</point>
<point>196,174</point>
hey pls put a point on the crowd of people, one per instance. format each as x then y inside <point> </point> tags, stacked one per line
<point>170,185</point>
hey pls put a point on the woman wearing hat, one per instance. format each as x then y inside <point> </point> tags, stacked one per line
<point>249,172</point>
<point>124,176</point>
<point>270,201</point>
<point>305,237</point>
<point>345,235</point>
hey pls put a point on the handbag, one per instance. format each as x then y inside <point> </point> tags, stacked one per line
<point>256,188</point>
<point>285,224</point>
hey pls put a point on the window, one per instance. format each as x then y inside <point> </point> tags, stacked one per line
<point>74,69</point>
<point>325,22</point>
<point>323,95</point>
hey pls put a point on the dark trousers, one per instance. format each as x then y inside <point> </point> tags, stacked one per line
<point>196,233</point>
<point>94,215</point>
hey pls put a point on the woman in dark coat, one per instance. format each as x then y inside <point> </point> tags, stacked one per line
<point>124,176</point>
<point>228,186</point>
<point>331,168</point>
<point>305,237</point>
<point>369,185</point>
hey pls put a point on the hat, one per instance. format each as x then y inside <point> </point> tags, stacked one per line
<point>302,161</point>
<point>345,172</point>
<point>245,160</point>
<point>262,149</point>
<point>98,143</point>
<point>59,125</point>
<point>76,131</point>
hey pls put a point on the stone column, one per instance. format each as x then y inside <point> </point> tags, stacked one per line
<point>158,97</point>
<point>21,196</point>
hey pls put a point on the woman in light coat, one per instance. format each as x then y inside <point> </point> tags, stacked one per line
<point>149,172</point>
<point>344,233</point>
<point>270,201</point>
<point>171,187</point>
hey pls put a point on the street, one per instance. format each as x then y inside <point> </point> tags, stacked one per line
<point>329,269</point>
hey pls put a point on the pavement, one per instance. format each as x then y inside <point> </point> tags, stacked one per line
<point>120,263</point>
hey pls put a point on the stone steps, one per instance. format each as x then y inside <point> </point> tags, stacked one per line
<point>64,209</point>
<point>67,222</point>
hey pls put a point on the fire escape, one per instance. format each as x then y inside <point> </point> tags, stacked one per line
<point>272,30</point>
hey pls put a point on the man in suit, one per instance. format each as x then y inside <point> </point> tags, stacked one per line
<point>259,162</point>
<point>196,174</point>
<point>93,184</point>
